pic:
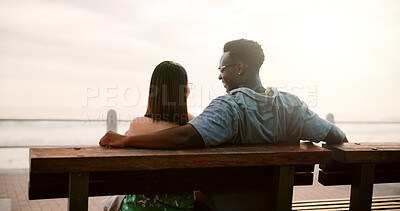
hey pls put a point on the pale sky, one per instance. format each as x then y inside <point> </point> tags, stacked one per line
<point>58,58</point>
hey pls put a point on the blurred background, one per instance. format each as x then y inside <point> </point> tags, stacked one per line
<point>64,64</point>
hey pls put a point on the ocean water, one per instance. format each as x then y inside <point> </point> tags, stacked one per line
<point>67,133</point>
<point>54,133</point>
<point>17,136</point>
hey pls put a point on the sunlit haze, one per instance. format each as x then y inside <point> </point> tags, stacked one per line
<point>77,59</point>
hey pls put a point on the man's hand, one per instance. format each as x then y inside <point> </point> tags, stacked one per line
<point>183,137</point>
<point>335,136</point>
<point>113,139</point>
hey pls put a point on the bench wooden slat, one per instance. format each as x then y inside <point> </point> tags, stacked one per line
<point>345,178</point>
<point>361,165</point>
<point>90,159</point>
<point>274,167</point>
<point>337,166</point>
<point>55,185</point>
<point>365,152</point>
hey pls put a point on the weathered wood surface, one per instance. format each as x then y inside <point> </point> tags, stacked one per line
<point>365,152</point>
<point>361,165</point>
<point>385,158</point>
<point>337,173</point>
<point>78,191</point>
<point>282,187</point>
<point>124,171</point>
<point>55,185</point>
<point>101,159</point>
<point>345,178</point>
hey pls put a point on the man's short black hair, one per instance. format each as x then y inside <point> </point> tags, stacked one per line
<point>247,51</point>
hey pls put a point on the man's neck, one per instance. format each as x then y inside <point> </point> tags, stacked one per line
<point>255,84</point>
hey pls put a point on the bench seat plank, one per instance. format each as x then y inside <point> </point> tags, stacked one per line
<point>361,165</point>
<point>125,171</point>
<point>55,185</point>
<point>365,152</point>
<point>92,159</point>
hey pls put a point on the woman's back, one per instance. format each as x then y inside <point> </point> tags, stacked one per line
<point>167,108</point>
<point>135,202</point>
<point>143,125</point>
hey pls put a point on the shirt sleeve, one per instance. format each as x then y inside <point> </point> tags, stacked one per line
<point>219,121</point>
<point>314,128</point>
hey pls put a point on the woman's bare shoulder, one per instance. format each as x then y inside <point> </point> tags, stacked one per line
<point>138,124</point>
<point>141,120</point>
<point>191,117</point>
<point>141,125</point>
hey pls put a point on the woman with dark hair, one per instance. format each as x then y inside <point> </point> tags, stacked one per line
<point>166,108</point>
<point>167,105</point>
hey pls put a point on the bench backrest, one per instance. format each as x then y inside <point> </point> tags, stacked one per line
<point>384,156</point>
<point>128,170</point>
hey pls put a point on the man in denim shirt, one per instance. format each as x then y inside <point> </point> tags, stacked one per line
<point>246,117</point>
<point>249,113</point>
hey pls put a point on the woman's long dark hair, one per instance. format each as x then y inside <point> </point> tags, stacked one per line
<point>168,92</point>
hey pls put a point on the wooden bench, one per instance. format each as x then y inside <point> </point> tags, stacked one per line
<point>361,165</point>
<point>77,173</point>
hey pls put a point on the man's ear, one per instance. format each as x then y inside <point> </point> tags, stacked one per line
<point>241,68</point>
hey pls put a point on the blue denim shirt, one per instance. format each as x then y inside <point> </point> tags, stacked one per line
<point>245,117</point>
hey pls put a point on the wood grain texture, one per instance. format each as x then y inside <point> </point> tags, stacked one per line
<point>78,192</point>
<point>362,187</point>
<point>55,185</point>
<point>340,167</point>
<point>282,188</point>
<point>97,159</point>
<point>365,152</point>
<point>389,175</point>
<point>128,170</point>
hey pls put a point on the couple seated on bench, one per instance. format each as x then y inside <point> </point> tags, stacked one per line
<point>247,114</point>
